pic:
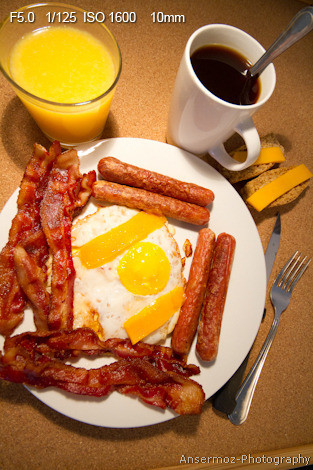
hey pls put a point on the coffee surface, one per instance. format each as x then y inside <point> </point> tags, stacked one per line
<point>221,70</point>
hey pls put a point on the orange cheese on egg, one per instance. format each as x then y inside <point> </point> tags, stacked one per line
<point>109,245</point>
<point>154,315</point>
<point>273,190</point>
<point>267,155</point>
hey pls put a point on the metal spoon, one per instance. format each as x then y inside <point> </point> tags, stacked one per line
<point>299,26</point>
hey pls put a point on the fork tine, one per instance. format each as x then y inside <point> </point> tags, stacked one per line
<point>284,269</point>
<point>292,284</point>
<point>289,272</point>
<point>294,271</point>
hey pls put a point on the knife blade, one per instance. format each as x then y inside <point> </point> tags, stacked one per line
<point>224,399</point>
<point>272,247</point>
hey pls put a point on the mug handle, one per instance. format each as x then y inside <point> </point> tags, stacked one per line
<point>248,132</point>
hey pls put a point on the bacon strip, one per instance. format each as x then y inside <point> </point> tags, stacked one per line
<point>25,230</point>
<point>70,343</point>
<point>64,195</point>
<point>25,361</point>
<point>84,193</point>
<point>32,280</point>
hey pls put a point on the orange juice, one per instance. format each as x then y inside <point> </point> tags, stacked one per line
<point>69,70</point>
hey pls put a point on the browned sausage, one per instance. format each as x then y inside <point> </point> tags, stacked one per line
<point>187,323</point>
<point>150,202</point>
<point>116,171</point>
<point>212,313</point>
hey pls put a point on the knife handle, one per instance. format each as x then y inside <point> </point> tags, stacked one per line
<point>246,391</point>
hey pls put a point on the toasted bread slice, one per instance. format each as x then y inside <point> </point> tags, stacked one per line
<point>270,140</point>
<point>257,183</point>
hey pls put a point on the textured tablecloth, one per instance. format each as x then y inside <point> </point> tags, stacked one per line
<point>33,436</point>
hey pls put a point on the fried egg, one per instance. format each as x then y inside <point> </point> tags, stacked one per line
<point>129,280</point>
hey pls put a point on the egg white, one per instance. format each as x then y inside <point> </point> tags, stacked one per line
<point>101,302</point>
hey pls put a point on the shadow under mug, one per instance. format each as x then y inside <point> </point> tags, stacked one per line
<point>199,121</point>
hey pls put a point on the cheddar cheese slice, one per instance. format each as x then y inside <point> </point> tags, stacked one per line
<point>154,315</point>
<point>267,155</point>
<point>276,188</point>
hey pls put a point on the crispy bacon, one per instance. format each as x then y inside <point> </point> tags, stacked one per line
<point>66,192</point>
<point>32,280</point>
<point>71,343</point>
<point>53,180</point>
<point>28,358</point>
<point>84,193</point>
<point>183,395</point>
<point>26,231</point>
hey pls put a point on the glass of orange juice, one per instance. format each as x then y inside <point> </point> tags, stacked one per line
<point>63,64</point>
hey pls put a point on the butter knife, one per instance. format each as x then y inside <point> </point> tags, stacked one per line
<point>224,399</point>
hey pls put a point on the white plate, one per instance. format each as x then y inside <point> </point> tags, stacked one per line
<point>246,293</point>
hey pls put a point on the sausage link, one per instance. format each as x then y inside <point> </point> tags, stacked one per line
<point>187,323</point>
<point>150,202</point>
<point>116,171</point>
<point>212,313</point>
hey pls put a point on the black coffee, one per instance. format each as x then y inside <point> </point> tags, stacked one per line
<point>220,69</point>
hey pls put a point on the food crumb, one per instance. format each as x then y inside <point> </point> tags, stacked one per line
<point>187,248</point>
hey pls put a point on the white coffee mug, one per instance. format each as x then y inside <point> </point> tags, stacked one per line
<point>199,121</point>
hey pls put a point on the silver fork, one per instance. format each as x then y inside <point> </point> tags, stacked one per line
<point>280,297</point>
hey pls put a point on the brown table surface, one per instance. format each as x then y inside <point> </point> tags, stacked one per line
<point>34,436</point>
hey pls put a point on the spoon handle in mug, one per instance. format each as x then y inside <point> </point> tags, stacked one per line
<point>299,26</point>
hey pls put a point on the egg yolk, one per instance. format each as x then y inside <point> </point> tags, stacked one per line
<point>144,269</point>
<point>108,246</point>
<point>154,315</point>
